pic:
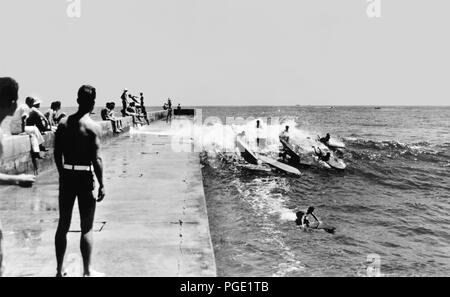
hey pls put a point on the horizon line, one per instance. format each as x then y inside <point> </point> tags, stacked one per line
<point>299,105</point>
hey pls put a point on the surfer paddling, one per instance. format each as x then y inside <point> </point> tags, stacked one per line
<point>332,145</point>
<point>77,146</point>
<point>302,217</point>
<point>303,221</point>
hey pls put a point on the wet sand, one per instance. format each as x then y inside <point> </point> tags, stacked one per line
<point>153,221</point>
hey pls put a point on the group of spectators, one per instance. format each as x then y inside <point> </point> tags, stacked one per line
<point>134,106</point>
<point>28,119</point>
<point>77,159</point>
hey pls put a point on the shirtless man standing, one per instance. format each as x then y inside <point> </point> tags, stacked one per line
<point>77,145</point>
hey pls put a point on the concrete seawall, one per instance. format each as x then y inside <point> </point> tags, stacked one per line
<point>153,222</point>
<point>16,158</point>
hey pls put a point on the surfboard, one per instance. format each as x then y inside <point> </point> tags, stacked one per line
<point>290,151</point>
<point>260,168</point>
<point>322,163</point>
<point>335,144</point>
<point>246,153</point>
<point>332,143</point>
<point>333,162</point>
<point>279,165</point>
<point>336,163</point>
<point>306,159</point>
<point>325,227</point>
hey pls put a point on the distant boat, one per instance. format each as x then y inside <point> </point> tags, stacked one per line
<point>377,107</point>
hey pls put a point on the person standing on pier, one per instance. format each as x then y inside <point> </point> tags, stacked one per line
<point>124,102</point>
<point>144,111</point>
<point>77,158</point>
<point>9,89</point>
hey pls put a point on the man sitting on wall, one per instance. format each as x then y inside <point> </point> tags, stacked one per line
<point>107,114</point>
<point>36,118</point>
<point>53,115</point>
<point>18,126</point>
<point>112,116</point>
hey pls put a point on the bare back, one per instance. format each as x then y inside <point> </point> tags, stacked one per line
<point>78,139</point>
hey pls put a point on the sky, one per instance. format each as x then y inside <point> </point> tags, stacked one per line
<point>230,52</point>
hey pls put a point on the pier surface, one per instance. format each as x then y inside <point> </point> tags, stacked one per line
<point>153,221</point>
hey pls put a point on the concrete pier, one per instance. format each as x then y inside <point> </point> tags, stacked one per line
<point>153,221</point>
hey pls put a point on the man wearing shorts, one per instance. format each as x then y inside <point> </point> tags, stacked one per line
<point>77,159</point>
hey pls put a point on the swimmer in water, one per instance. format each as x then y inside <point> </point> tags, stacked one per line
<point>304,223</point>
<point>302,218</point>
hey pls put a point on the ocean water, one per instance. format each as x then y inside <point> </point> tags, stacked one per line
<point>391,203</point>
<point>393,200</point>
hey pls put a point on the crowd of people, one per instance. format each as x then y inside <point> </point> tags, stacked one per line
<point>28,119</point>
<point>134,106</point>
<point>76,164</point>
